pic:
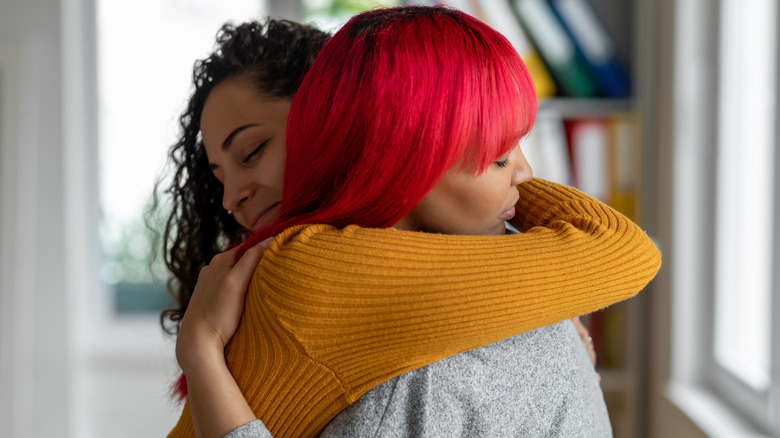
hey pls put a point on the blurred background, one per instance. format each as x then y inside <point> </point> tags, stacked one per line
<point>666,109</point>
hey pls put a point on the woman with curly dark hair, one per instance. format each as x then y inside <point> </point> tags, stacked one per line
<point>271,58</point>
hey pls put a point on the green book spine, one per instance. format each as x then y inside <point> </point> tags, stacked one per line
<point>556,48</point>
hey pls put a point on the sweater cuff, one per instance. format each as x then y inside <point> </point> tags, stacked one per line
<point>253,429</point>
<point>542,202</point>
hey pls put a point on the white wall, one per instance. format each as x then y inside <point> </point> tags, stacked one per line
<point>52,381</point>
<point>35,362</point>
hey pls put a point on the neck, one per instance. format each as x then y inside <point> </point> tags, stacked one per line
<point>406,224</point>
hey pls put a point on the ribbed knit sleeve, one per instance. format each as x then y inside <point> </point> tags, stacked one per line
<point>333,312</point>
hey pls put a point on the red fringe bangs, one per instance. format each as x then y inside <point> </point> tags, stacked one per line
<point>396,98</point>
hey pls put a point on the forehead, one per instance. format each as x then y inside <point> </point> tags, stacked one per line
<point>236,102</point>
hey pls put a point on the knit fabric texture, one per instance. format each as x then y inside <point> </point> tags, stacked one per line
<point>331,313</point>
<point>536,384</point>
<point>253,429</point>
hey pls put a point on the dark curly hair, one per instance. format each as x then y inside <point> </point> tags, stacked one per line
<point>275,54</point>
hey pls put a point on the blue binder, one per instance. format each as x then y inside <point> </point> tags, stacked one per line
<point>596,46</point>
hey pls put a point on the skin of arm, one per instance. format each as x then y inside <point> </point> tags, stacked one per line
<point>577,255</point>
<point>216,403</point>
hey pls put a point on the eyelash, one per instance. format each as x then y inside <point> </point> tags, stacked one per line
<point>254,152</point>
<point>502,163</point>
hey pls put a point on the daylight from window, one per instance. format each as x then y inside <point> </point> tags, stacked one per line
<point>745,194</point>
<point>145,54</point>
<point>330,15</point>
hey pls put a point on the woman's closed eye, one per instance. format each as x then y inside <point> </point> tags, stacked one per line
<point>503,163</point>
<point>255,153</point>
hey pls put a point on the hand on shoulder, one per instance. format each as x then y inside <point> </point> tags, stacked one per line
<point>216,306</point>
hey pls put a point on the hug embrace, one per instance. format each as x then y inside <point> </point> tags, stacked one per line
<point>365,181</point>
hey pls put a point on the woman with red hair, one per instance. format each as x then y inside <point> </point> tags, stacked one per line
<point>410,118</point>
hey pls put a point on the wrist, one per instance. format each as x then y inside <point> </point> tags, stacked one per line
<point>195,351</point>
<point>203,367</point>
<point>216,402</point>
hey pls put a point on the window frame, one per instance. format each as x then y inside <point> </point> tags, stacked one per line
<point>111,351</point>
<point>711,396</point>
<point>755,404</point>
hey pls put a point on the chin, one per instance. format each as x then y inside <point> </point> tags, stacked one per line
<point>496,230</point>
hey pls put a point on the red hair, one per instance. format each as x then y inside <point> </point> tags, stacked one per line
<point>396,98</point>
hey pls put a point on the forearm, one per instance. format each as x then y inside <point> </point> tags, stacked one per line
<point>216,403</point>
<point>428,296</point>
<point>577,255</point>
<point>349,308</point>
<point>543,202</point>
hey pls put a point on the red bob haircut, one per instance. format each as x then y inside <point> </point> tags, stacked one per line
<point>396,98</point>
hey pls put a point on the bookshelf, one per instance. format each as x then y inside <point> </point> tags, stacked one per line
<point>570,108</point>
<point>622,361</point>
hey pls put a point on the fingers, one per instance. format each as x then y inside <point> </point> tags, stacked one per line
<point>225,258</point>
<point>225,270</point>
<point>591,349</point>
<point>245,267</point>
<point>248,262</point>
<point>581,329</point>
<point>587,340</point>
<point>255,253</point>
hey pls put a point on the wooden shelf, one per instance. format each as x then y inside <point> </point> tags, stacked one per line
<point>572,107</point>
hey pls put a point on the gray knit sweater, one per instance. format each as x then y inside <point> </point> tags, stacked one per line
<point>537,384</point>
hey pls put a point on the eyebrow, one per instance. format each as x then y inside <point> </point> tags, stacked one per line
<point>229,139</point>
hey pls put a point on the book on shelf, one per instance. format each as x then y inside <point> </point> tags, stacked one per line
<point>597,47</point>
<point>623,134</point>
<point>556,47</point>
<point>598,155</point>
<point>546,149</point>
<point>588,151</point>
<point>564,44</point>
<point>498,15</point>
<point>607,330</point>
<point>613,336</point>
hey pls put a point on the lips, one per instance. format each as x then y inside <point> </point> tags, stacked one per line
<point>510,213</point>
<point>507,215</point>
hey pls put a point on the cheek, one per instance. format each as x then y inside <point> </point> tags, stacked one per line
<point>480,197</point>
<point>481,205</point>
<point>460,212</point>
<point>270,170</point>
<point>461,200</point>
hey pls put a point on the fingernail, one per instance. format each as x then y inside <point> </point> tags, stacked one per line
<point>266,242</point>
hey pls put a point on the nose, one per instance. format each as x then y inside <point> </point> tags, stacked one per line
<point>522,171</point>
<point>236,192</point>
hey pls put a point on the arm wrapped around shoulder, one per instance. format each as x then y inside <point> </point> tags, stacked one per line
<point>418,297</point>
<point>331,313</point>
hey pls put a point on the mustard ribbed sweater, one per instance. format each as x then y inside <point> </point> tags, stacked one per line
<point>331,313</point>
